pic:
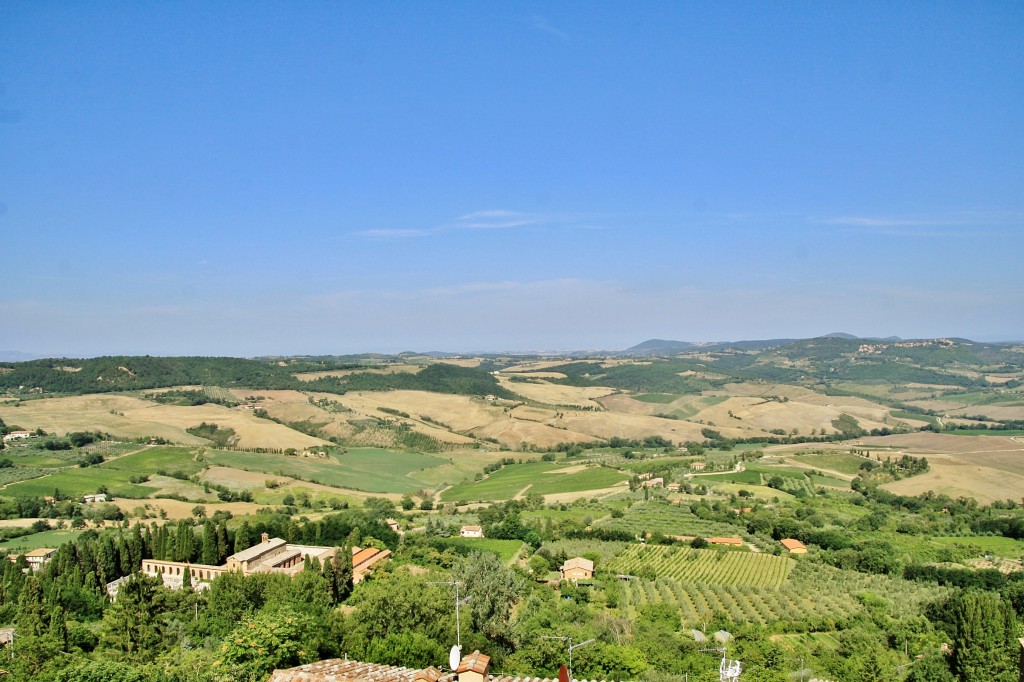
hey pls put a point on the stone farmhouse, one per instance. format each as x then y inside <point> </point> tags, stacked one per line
<point>577,569</point>
<point>37,558</point>
<point>271,555</point>
<point>17,435</point>
<point>364,559</point>
<point>471,532</point>
<point>794,546</point>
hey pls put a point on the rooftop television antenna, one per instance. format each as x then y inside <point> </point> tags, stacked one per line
<point>458,621</point>
<point>571,647</point>
<point>728,669</point>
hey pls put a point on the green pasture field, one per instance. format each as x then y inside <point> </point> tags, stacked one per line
<point>542,477</point>
<point>36,460</point>
<point>591,478</point>
<point>901,414</point>
<point>776,469</point>
<point>760,491</point>
<point>506,549</point>
<point>842,462</point>
<point>48,538</point>
<point>76,482</point>
<point>154,459</point>
<point>368,469</point>
<point>746,476</point>
<point>1000,546</point>
<point>986,432</point>
<point>831,481</point>
<point>660,398</point>
<point>705,565</point>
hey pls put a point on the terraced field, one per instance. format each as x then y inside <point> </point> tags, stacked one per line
<point>817,595</point>
<point>656,516</point>
<point>705,566</point>
<point>544,478</point>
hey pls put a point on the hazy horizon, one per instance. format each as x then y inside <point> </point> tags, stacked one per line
<point>196,179</point>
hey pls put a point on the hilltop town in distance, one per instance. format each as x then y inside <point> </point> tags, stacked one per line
<point>833,507</point>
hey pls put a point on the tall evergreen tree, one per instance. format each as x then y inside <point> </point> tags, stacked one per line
<point>342,565</point>
<point>32,619</point>
<point>209,552</point>
<point>243,537</point>
<point>132,627</point>
<point>983,641</point>
<point>222,542</point>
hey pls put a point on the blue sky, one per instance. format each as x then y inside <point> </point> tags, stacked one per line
<point>282,178</point>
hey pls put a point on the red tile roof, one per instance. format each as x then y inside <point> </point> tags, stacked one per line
<point>476,661</point>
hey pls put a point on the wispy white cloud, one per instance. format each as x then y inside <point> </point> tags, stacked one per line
<point>896,226</point>
<point>539,23</point>
<point>491,219</point>
<point>874,221</point>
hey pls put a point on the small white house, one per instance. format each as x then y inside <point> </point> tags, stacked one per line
<point>471,532</point>
<point>16,435</point>
<point>98,497</point>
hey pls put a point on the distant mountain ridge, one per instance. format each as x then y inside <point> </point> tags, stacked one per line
<point>667,347</point>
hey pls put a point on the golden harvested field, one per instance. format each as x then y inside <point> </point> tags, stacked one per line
<point>513,433</point>
<point>609,424</point>
<point>557,394</point>
<point>945,443</point>
<point>461,413</point>
<point>985,467</point>
<point>992,411</point>
<point>961,475</point>
<point>131,417</point>
<point>458,362</point>
<point>177,509</point>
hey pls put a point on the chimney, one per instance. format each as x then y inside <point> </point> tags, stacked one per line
<point>474,668</point>
<point>265,537</point>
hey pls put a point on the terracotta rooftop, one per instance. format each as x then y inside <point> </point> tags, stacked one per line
<point>257,550</point>
<point>790,543</point>
<point>40,552</point>
<point>579,562</point>
<point>476,661</point>
<point>342,670</point>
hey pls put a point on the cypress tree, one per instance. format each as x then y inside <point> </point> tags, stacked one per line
<point>983,640</point>
<point>243,537</point>
<point>209,551</point>
<point>222,542</point>
<point>32,618</point>
<point>343,573</point>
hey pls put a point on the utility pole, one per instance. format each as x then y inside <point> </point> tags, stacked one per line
<point>458,603</point>
<point>571,647</point>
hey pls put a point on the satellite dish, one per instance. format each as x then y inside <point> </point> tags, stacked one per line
<point>563,673</point>
<point>454,658</point>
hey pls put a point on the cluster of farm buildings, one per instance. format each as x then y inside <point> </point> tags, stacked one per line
<point>270,555</point>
